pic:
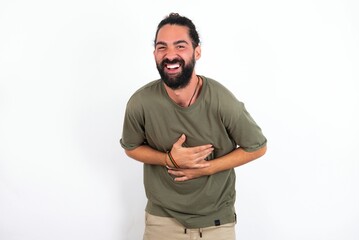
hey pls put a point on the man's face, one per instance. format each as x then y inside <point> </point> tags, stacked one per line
<point>174,55</point>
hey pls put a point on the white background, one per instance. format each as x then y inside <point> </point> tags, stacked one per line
<point>67,69</point>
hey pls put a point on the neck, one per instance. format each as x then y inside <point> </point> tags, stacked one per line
<point>185,97</point>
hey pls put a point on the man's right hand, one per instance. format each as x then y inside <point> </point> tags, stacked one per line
<point>190,157</point>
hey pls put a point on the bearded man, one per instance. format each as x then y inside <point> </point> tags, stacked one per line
<point>190,132</point>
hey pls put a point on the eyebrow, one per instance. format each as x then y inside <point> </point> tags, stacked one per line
<point>175,43</point>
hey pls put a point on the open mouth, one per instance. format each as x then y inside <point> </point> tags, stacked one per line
<point>172,66</point>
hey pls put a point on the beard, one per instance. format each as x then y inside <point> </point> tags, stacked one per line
<point>182,79</point>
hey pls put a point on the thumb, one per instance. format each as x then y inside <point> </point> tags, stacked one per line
<point>180,141</point>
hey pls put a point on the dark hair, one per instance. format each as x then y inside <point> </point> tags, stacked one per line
<point>176,19</point>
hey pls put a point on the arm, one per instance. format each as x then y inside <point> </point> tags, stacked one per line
<point>192,157</point>
<point>148,155</point>
<point>233,159</point>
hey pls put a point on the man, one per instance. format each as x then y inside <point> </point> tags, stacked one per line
<point>190,132</point>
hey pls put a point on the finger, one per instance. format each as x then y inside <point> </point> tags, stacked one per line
<point>206,153</point>
<point>176,173</point>
<point>180,141</point>
<point>202,165</point>
<point>197,149</point>
<point>203,155</point>
<point>169,167</point>
<point>181,179</point>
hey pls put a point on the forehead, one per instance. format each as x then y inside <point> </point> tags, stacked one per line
<point>172,33</point>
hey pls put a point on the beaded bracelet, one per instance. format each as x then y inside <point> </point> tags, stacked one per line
<point>172,159</point>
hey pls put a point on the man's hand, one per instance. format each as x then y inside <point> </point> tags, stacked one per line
<point>191,157</point>
<point>188,174</point>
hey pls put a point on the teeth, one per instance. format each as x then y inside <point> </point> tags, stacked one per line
<point>172,66</point>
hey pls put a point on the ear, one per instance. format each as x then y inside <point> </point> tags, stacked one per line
<point>197,52</point>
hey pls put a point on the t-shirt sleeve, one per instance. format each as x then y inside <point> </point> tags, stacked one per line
<point>243,129</point>
<point>133,134</point>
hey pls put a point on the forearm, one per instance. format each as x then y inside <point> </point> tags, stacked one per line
<point>147,155</point>
<point>192,157</point>
<point>234,159</point>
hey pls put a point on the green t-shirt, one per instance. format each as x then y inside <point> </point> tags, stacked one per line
<point>216,118</point>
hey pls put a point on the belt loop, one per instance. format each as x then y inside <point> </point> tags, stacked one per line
<point>200,232</point>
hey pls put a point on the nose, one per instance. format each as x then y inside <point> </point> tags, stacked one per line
<point>171,53</point>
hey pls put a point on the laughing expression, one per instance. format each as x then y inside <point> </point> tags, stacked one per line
<point>175,56</point>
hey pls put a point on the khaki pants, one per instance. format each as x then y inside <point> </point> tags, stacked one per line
<point>164,228</point>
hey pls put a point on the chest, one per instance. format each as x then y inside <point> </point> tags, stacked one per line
<point>201,125</point>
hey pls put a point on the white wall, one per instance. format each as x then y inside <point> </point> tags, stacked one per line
<point>67,69</point>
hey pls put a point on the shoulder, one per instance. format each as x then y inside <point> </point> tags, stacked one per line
<point>222,94</point>
<point>218,88</point>
<point>145,93</point>
<point>148,88</point>
<point>212,83</point>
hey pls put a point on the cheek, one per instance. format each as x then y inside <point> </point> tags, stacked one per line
<point>158,57</point>
<point>157,60</point>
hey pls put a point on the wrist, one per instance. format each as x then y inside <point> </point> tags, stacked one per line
<point>210,170</point>
<point>172,160</point>
<point>167,160</point>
